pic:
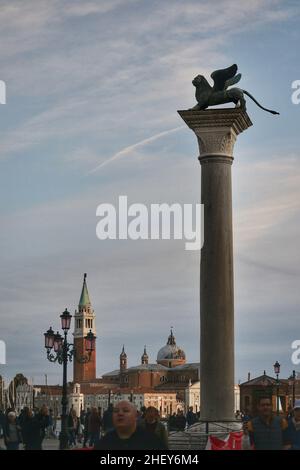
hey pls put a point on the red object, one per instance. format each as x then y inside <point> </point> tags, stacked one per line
<point>234,442</point>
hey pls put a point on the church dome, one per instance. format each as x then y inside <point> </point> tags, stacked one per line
<point>171,352</point>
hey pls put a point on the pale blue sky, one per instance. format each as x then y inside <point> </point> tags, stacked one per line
<point>84,81</point>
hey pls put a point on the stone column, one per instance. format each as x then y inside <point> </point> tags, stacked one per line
<point>216,131</point>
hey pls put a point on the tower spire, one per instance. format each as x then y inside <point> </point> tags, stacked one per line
<point>84,298</point>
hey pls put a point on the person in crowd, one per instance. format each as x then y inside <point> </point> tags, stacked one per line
<point>73,423</point>
<point>43,418</point>
<point>94,427</point>
<point>293,430</point>
<point>31,430</point>
<point>153,425</point>
<point>172,422</point>
<point>108,419</point>
<point>86,431</point>
<point>50,432</point>
<point>266,431</point>
<point>12,432</point>
<point>191,418</point>
<point>180,421</point>
<point>2,423</point>
<point>126,434</point>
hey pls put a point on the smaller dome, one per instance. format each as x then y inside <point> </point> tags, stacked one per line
<point>170,352</point>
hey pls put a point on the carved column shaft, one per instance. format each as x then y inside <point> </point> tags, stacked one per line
<point>216,131</point>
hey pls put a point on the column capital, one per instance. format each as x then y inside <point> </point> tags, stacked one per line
<point>216,130</point>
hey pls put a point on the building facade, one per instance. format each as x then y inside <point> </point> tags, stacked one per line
<point>24,397</point>
<point>170,372</point>
<point>264,385</point>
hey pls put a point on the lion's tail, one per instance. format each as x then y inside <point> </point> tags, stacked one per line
<point>265,109</point>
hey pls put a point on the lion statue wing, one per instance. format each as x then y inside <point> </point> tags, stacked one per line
<point>232,81</point>
<point>223,76</point>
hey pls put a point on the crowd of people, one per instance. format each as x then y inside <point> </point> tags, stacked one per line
<point>29,428</point>
<point>120,426</point>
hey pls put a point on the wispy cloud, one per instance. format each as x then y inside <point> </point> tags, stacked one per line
<point>131,148</point>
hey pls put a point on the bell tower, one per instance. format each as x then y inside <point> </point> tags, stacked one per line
<point>145,357</point>
<point>84,322</point>
<point>123,368</point>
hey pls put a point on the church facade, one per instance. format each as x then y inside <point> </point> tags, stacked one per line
<point>170,372</point>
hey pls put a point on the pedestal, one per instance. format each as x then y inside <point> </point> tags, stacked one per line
<point>216,131</point>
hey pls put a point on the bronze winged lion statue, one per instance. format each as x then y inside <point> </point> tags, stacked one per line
<point>219,94</point>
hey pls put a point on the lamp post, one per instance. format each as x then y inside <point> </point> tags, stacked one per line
<point>277,372</point>
<point>292,383</point>
<point>62,353</point>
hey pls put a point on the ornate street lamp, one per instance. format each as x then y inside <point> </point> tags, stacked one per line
<point>66,320</point>
<point>90,342</point>
<point>58,342</point>
<point>277,372</point>
<point>62,353</point>
<point>49,338</point>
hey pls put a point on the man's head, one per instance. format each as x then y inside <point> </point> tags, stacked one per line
<point>264,407</point>
<point>124,418</point>
<point>11,416</point>
<point>44,410</point>
<point>151,415</point>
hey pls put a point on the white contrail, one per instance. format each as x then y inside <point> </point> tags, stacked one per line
<point>128,149</point>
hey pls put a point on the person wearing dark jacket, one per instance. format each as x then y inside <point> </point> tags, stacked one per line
<point>126,434</point>
<point>108,419</point>
<point>31,431</point>
<point>94,426</point>
<point>180,421</point>
<point>86,432</point>
<point>191,417</point>
<point>152,424</point>
<point>43,419</point>
<point>12,432</point>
